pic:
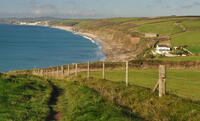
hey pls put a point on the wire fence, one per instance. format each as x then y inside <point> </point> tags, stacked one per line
<point>180,82</point>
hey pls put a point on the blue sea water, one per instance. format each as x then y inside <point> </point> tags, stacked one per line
<point>23,47</point>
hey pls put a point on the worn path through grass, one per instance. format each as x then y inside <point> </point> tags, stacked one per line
<point>54,114</point>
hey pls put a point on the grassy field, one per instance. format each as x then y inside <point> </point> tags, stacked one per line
<point>23,98</point>
<point>184,83</point>
<point>122,20</point>
<point>186,58</point>
<point>82,99</point>
<point>67,22</point>
<point>191,39</point>
<point>191,24</point>
<point>141,103</point>
<point>160,28</point>
<point>80,103</point>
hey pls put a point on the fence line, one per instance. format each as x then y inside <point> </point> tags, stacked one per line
<point>59,73</point>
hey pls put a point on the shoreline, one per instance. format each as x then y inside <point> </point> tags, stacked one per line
<point>89,36</point>
<point>93,38</point>
<point>113,51</point>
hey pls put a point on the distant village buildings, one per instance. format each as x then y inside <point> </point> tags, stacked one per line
<point>26,23</point>
<point>151,35</point>
<point>44,23</point>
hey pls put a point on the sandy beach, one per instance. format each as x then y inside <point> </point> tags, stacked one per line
<point>68,28</point>
<point>87,35</point>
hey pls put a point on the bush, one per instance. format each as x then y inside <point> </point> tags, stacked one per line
<point>179,51</point>
<point>149,54</point>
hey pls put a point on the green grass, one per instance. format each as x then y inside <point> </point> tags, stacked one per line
<point>191,24</point>
<point>136,101</point>
<point>80,103</point>
<point>184,83</point>
<point>23,98</point>
<point>122,20</point>
<point>145,21</point>
<point>160,28</point>
<point>191,39</point>
<point>186,58</point>
<point>68,22</point>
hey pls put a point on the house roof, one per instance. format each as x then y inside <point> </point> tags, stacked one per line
<point>163,46</point>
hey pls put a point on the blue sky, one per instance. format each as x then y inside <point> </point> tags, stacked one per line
<point>98,8</point>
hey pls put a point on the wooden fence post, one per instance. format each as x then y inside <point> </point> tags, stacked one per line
<point>76,69</point>
<point>34,70</point>
<point>103,71</point>
<point>88,70</point>
<point>42,72</point>
<point>68,70</point>
<point>57,71</point>
<point>162,80</point>
<point>52,72</point>
<point>62,71</point>
<point>126,73</point>
<point>37,72</point>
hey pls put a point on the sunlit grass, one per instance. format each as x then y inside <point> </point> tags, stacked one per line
<point>184,83</point>
<point>23,98</point>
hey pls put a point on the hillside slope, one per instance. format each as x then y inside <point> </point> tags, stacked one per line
<point>124,38</point>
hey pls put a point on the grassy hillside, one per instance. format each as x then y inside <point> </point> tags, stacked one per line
<point>140,102</point>
<point>80,103</point>
<point>160,28</point>
<point>68,22</point>
<point>121,34</point>
<point>184,83</point>
<point>82,99</point>
<point>191,39</point>
<point>191,24</point>
<point>23,98</point>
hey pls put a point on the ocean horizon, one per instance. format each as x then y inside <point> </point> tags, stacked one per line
<point>25,47</point>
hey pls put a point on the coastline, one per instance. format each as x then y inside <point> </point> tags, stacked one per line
<point>109,49</point>
<point>93,38</point>
<point>112,51</point>
<point>89,36</point>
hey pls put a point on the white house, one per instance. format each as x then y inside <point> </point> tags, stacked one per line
<point>163,49</point>
<point>151,35</point>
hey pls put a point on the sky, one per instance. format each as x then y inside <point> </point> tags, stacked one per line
<point>98,8</point>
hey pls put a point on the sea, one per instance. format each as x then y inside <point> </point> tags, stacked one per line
<point>26,47</point>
